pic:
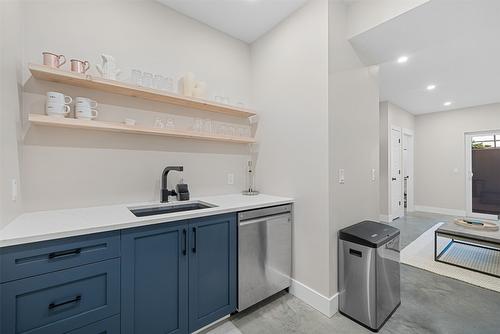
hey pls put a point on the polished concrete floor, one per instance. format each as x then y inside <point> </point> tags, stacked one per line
<point>430,303</point>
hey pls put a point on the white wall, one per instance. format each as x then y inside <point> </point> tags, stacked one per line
<point>353,134</point>
<point>390,115</point>
<point>75,168</point>
<point>290,81</point>
<point>440,154</point>
<point>10,78</point>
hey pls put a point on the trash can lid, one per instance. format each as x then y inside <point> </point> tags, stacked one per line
<point>369,233</point>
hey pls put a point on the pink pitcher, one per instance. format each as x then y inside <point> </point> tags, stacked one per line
<point>79,66</point>
<point>53,60</point>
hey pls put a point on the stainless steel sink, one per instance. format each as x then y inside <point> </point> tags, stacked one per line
<point>169,208</point>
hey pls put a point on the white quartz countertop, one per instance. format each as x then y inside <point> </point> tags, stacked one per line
<point>55,224</point>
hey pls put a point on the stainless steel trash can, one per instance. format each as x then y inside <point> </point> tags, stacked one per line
<point>369,280</point>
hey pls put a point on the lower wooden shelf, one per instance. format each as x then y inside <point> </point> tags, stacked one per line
<point>39,119</point>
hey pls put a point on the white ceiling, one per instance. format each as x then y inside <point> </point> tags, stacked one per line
<point>452,44</point>
<point>246,20</point>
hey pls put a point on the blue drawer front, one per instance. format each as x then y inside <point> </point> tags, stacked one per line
<point>61,301</point>
<point>106,326</point>
<point>43,257</point>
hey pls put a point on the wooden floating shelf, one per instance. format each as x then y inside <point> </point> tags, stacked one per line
<point>117,87</point>
<point>119,127</point>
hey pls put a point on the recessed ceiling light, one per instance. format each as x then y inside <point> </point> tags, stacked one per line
<point>402,59</point>
<point>431,87</point>
<point>447,104</point>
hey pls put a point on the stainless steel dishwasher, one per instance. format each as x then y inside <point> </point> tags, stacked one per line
<point>264,253</point>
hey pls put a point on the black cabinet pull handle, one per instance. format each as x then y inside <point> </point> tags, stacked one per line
<point>394,179</point>
<point>355,252</point>
<point>194,240</point>
<point>184,246</point>
<point>75,251</point>
<point>54,305</point>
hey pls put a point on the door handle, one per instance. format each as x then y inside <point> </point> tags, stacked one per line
<point>194,240</point>
<point>184,237</point>
<point>75,299</point>
<point>75,251</point>
<point>394,179</point>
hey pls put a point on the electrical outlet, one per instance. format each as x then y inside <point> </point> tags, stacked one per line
<point>373,174</point>
<point>341,176</point>
<point>14,190</point>
<point>230,178</point>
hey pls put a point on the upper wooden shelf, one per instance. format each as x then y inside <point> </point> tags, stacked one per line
<point>117,87</point>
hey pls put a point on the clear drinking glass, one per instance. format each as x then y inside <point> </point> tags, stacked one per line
<point>135,77</point>
<point>197,125</point>
<point>169,84</point>
<point>147,80</point>
<point>243,131</point>
<point>170,123</point>
<point>159,82</point>
<point>230,130</point>
<point>207,126</point>
<point>159,123</point>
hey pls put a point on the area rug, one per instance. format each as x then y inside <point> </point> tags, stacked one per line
<point>420,254</point>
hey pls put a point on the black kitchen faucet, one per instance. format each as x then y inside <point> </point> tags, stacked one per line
<point>165,193</point>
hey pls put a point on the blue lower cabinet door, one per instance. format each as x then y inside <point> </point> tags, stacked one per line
<point>212,269</point>
<point>61,301</point>
<point>106,326</point>
<point>154,280</point>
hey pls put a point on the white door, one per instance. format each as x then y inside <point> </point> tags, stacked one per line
<point>396,176</point>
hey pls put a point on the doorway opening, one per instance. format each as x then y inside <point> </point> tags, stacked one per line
<point>396,180</point>
<point>482,177</point>
<point>408,179</point>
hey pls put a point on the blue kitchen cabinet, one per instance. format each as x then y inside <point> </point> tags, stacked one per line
<point>171,278</point>
<point>178,277</point>
<point>61,301</point>
<point>212,269</point>
<point>155,280</point>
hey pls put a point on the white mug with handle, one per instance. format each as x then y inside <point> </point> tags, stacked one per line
<point>59,98</point>
<point>57,110</point>
<point>85,113</point>
<point>85,102</point>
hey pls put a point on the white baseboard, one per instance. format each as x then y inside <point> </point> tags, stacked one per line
<point>385,218</point>
<point>443,211</point>
<point>326,305</point>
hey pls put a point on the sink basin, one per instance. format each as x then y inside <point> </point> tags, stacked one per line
<point>169,208</point>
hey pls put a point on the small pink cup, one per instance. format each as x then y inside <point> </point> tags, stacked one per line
<point>53,60</point>
<point>79,66</point>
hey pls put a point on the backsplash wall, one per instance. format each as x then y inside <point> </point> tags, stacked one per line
<point>64,168</point>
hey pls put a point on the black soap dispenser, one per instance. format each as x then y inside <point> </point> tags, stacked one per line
<point>182,191</point>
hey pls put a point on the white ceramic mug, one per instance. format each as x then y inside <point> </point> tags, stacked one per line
<point>85,112</point>
<point>85,102</point>
<point>59,98</point>
<point>57,109</point>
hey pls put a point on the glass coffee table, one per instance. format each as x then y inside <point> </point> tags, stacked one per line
<point>476,250</point>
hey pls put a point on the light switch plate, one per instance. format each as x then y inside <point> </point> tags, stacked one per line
<point>341,176</point>
<point>373,174</point>
<point>14,190</point>
<point>230,178</point>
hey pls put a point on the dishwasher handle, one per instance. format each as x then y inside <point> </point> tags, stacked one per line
<point>263,219</point>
